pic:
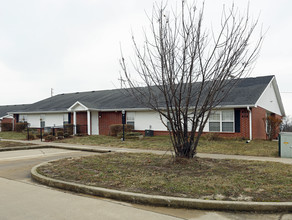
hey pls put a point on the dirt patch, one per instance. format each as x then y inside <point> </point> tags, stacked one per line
<point>5,144</point>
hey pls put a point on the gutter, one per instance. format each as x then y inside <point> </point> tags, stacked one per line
<point>250,123</point>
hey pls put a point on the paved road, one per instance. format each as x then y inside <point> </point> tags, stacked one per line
<point>23,199</point>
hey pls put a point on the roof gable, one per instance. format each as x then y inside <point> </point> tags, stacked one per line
<point>271,99</point>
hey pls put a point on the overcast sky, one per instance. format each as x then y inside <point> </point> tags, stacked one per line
<point>74,45</point>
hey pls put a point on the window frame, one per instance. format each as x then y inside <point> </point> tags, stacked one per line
<point>221,121</point>
<point>130,120</point>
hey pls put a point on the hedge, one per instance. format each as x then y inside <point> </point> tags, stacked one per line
<point>117,128</point>
<point>6,126</point>
<point>19,127</point>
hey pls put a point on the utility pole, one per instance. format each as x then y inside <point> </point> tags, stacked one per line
<point>122,81</point>
<point>52,92</point>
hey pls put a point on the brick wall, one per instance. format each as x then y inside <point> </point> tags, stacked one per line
<point>258,124</point>
<point>108,118</point>
<point>81,122</point>
<point>6,120</point>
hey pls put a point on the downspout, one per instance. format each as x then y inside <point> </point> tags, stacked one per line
<point>250,123</point>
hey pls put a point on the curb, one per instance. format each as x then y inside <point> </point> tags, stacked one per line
<point>52,146</point>
<point>156,200</point>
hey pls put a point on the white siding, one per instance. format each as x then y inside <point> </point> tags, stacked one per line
<point>269,101</point>
<point>94,123</point>
<point>50,119</point>
<point>145,120</point>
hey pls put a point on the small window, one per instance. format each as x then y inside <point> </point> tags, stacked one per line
<point>43,124</point>
<point>214,121</point>
<point>221,121</point>
<point>65,119</point>
<point>130,119</point>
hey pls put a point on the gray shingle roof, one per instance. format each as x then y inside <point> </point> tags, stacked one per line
<point>11,108</point>
<point>246,92</point>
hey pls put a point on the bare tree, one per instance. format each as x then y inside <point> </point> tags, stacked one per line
<point>286,125</point>
<point>185,71</point>
<point>272,125</point>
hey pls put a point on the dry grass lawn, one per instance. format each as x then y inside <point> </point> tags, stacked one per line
<point>196,178</point>
<point>224,146</point>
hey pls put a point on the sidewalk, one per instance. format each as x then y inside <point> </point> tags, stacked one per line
<point>128,150</point>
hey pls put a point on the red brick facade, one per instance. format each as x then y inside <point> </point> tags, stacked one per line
<point>258,123</point>
<point>244,126</point>
<point>6,120</point>
<point>81,122</point>
<point>108,118</point>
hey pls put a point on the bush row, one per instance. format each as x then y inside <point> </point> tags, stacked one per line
<point>6,126</point>
<point>115,129</point>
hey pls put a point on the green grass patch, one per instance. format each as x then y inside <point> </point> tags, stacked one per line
<point>13,135</point>
<point>223,146</point>
<point>195,178</point>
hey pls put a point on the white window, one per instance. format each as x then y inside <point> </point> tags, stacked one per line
<point>221,121</point>
<point>65,119</point>
<point>130,118</point>
<point>214,121</point>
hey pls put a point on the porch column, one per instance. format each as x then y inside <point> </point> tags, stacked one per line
<point>88,123</point>
<point>74,123</point>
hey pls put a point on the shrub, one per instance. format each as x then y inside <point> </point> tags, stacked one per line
<point>50,138</point>
<point>45,134</point>
<point>60,137</point>
<point>68,128</point>
<point>66,135</point>
<point>60,133</point>
<point>117,128</point>
<point>6,126</point>
<point>272,125</point>
<point>19,127</point>
<point>30,137</point>
<point>213,137</point>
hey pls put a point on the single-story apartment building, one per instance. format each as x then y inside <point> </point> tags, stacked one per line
<point>240,114</point>
<point>5,117</point>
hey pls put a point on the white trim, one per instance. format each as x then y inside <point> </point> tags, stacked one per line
<point>74,123</point>
<point>77,103</point>
<point>40,112</point>
<point>277,92</point>
<point>250,123</point>
<point>88,123</point>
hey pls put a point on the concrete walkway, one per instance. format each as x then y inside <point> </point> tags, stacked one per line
<point>117,149</point>
<point>23,201</point>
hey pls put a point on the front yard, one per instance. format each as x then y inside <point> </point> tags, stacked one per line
<point>223,146</point>
<point>195,178</point>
